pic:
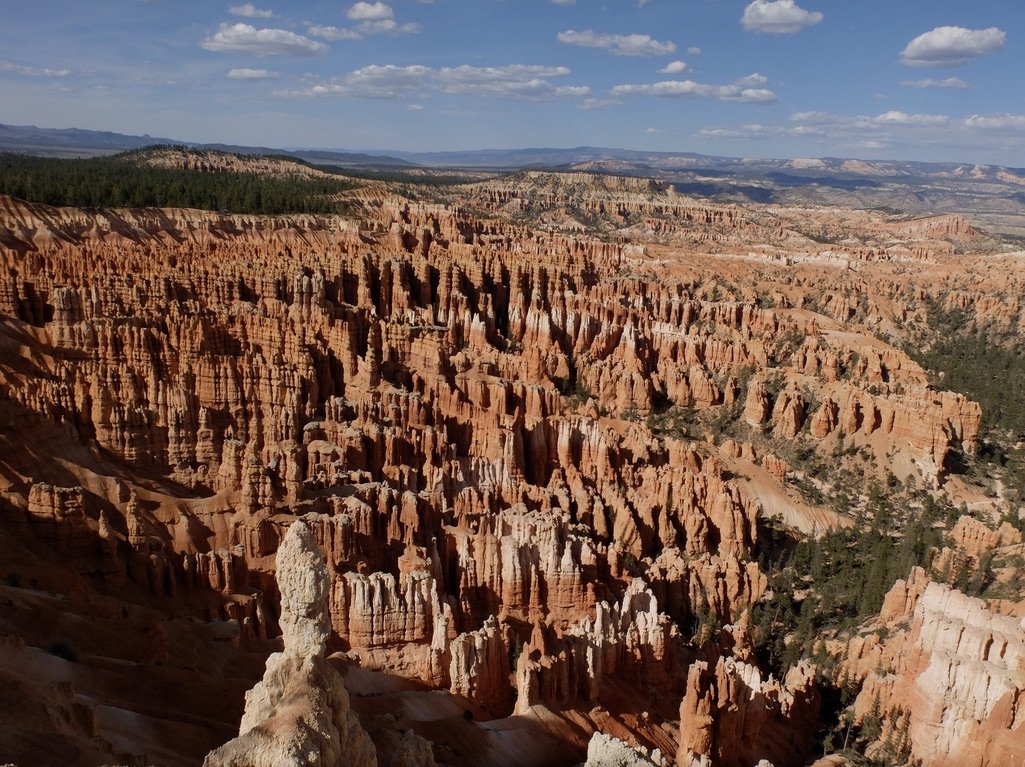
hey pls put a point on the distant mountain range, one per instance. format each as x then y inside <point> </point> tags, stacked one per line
<point>993,195</point>
<point>76,142</point>
<point>70,141</point>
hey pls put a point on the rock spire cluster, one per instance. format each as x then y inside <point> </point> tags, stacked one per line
<point>512,470</point>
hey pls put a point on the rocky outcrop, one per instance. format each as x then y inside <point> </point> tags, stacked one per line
<point>730,716</point>
<point>479,668</point>
<point>413,751</point>
<point>951,684</point>
<point>708,587</point>
<point>299,713</point>
<point>608,751</point>
<point>58,515</point>
<point>631,640</point>
<point>975,538</point>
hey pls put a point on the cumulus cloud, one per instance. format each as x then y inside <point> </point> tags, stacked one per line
<point>373,18</point>
<point>951,46</point>
<point>778,17</point>
<point>949,82</point>
<point>517,81</point>
<point>753,79</point>
<point>740,90</point>
<point>248,73</point>
<point>674,68</point>
<point>389,81</point>
<point>250,11</point>
<point>334,34</point>
<point>694,50</point>
<point>387,25</point>
<point>751,130</point>
<point>828,121</point>
<point>620,45</point>
<point>374,81</point>
<point>245,38</point>
<point>21,69</point>
<point>997,122</point>
<point>370,12</point>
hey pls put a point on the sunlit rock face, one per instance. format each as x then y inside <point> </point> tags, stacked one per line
<point>950,677</point>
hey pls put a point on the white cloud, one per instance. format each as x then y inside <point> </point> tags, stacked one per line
<point>752,80</point>
<point>373,18</point>
<point>516,81</point>
<point>250,11</point>
<point>651,130</point>
<point>620,45</point>
<point>951,46</point>
<point>245,38</point>
<point>248,73</point>
<point>387,25</point>
<point>894,117</point>
<point>334,34</point>
<point>778,17</point>
<point>950,82</point>
<point>694,50</point>
<point>415,107</point>
<point>513,81</point>
<point>596,103</point>
<point>565,2</point>
<point>752,130</point>
<point>21,69</point>
<point>997,122</point>
<point>737,91</point>
<point>370,12</point>
<point>374,81</point>
<point>674,68</point>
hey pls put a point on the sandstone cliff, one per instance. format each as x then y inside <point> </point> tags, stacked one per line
<point>948,683</point>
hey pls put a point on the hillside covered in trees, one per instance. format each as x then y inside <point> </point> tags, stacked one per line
<point>126,180</point>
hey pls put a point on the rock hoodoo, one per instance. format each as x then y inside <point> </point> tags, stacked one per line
<point>299,714</point>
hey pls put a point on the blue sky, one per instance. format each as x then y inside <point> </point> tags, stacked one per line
<point>909,79</point>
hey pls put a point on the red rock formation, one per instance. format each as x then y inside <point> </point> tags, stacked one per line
<point>479,669</point>
<point>731,716</point>
<point>475,420</point>
<point>952,679</point>
<point>631,639</point>
<point>58,515</point>
<point>976,538</point>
